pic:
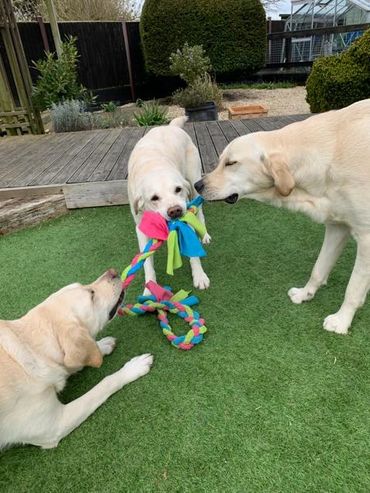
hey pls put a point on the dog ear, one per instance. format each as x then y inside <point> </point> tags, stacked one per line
<point>79,347</point>
<point>277,168</point>
<point>138,204</point>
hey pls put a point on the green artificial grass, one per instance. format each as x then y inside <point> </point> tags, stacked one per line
<point>269,402</point>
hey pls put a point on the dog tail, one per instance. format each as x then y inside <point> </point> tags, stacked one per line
<point>179,122</point>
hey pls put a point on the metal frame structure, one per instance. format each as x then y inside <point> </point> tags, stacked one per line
<point>314,14</point>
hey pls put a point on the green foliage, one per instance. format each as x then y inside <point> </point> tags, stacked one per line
<point>190,63</point>
<point>70,116</point>
<point>338,81</point>
<point>201,91</point>
<point>232,32</point>
<point>58,79</point>
<point>259,85</point>
<point>151,114</point>
<point>109,107</point>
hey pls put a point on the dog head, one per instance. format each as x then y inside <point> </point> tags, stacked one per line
<point>77,313</point>
<point>165,192</point>
<point>246,170</point>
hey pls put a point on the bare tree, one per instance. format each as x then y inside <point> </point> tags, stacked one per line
<point>80,10</point>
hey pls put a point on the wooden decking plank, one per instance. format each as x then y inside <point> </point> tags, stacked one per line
<point>270,124</point>
<point>252,125</point>
<point>39,165</point>
<point>217,136</point>
<point>74,164</point>
<point>15,158</point>
<point>206,148</point>
<point>84,172</point>
<point>189,128</point>
<point>48,175</point>
<point>8,148</point>
<point>34,162</point>
<point>239,127</point>
<point>108,162</point>
<point>119,171</point>
<point>228,130</point>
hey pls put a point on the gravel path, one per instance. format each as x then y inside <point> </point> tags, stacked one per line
<point>290,101</point>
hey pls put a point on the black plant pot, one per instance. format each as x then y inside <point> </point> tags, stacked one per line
<point>206,112</point>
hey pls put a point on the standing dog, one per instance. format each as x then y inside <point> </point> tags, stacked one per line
<point>320,166</point>
<point>161,172</point>
<point>39,351</point>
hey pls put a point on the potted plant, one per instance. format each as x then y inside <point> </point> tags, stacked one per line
<point>201,97</point>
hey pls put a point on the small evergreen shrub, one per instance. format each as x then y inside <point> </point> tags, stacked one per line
<point>70,116</point>
<point>338,81</point>
<point>201,91</point>
<point>151,114</point>
<point>58,80</point>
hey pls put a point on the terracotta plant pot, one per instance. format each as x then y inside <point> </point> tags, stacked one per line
<point>247,111</point>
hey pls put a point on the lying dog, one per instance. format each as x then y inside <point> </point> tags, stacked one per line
<point>320,166</point>
<point>39,351</point>
<point>161,172</point>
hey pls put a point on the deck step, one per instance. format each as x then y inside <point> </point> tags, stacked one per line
<point>22,213</point>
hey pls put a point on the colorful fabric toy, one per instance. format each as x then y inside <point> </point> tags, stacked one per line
<point>182,236</point>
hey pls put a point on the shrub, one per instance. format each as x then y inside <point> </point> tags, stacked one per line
<point>189,63</point>
<point>70,116</point>
<point>109,107</point>
<point>232,32</point>
<point>151,114</point>
<point>58,79</point>
<point>201,91</point>
<point>338,81</point>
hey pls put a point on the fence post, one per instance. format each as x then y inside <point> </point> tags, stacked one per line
<point>54,26</point>
<point>128,57</point>
<point>44,36</point>
<point>288,50</point>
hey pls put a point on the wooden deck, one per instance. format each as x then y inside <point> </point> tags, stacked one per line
<point>90,168</point>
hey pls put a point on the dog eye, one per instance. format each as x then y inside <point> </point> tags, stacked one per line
<point>178,189</point>
<point>92,292</point>
<point>230,163</point>
<point>154,198</point>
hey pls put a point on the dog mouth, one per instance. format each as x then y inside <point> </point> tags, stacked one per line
<point>117,305</point>
<point>231,199</point>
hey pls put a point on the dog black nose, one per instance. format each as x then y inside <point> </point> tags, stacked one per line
<point>175,212</point>
<point>199,186</point>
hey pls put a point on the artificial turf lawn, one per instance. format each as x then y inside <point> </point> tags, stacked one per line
<point>270,402</point>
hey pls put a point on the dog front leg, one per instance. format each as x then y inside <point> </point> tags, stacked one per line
<point>71,415</point>
<point>356,291</point>
<point>336,236</point>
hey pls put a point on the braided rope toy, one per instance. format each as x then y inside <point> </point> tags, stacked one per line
<point>181,239</point>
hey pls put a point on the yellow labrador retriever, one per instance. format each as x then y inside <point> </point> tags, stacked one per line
<point>320,166</point>
<point>39,351</point>
<point>162,170</point>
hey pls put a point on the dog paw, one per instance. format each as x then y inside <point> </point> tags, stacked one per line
<point>201,280</point>
<point>298,295</point>
<point>337,323</point>
<point>206,239</point>
<point>106,345</point>
<point>137,367</point>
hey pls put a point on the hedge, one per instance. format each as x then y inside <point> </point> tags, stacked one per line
<point>338,81</point>
<point>232,32</point>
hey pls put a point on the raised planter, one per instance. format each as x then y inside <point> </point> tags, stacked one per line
<point>204,113</point>
<point>247,111</point>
